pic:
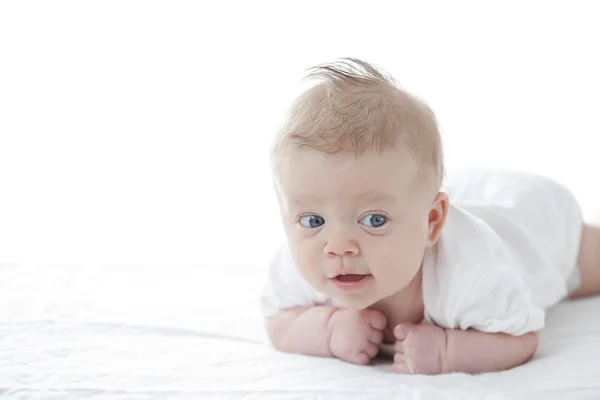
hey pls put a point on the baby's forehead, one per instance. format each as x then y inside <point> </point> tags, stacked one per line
<point>351,190</point>
<point>344,177</point>
<point>372,196</point>
<point>369,169</point>
<point>369,160</point>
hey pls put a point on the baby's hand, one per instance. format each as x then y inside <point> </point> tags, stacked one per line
<point>356,334</point>
<point>420,349</point>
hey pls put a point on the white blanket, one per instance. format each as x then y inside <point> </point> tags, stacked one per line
<point>177,332</point>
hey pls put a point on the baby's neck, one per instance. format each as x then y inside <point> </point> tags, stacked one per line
<point>403,306</point>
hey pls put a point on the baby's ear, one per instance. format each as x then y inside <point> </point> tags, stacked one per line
<point>437,217</point>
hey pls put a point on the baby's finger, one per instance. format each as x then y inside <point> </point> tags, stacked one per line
<point>399,358</point>
<point>363,359</point>
<point>403,364</point>
<point>402,368</point>
<point>399,346</point>
<point>376,337</point>
<point>377,320</point>
<point>403,330</point>
<point>371,349</point>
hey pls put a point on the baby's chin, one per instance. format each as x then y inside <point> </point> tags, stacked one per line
<point>353,303</point>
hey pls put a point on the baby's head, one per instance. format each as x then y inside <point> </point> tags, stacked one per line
<point>358,166</point>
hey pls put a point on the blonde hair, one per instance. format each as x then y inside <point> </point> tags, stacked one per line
<point>358,107</point>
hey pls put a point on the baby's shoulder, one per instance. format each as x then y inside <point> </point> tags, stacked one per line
<point>470,273</point>
<point>468,248</point>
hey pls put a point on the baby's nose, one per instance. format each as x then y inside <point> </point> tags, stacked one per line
<point>341,247</point>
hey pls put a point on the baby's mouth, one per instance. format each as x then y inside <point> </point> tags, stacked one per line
<point>352,282</point>
<point>350,277</point>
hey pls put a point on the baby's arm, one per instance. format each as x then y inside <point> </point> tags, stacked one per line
<point>428,349</point>
<point>477,352</point>
<point>350,335</point>
<point>303,330</point>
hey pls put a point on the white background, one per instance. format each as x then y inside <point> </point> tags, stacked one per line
<point>138,132</point>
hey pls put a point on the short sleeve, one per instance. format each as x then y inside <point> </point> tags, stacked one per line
<point>473,279</point>
<point>285,288</point>
<point>500,302</point>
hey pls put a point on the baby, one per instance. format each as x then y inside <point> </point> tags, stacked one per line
<point>381,254</point>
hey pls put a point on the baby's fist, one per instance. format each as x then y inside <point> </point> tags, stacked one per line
<point>356,334</point>
<point>420,349</point>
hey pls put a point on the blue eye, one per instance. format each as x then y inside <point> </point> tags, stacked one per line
<point>312,221</point>
<point>374,220</point>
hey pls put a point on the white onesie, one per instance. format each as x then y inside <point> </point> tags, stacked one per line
<point>507,252</point>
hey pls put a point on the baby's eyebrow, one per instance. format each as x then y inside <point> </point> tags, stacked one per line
<point>303,200</point>
<point>374,197</point>
<point>367,197</point>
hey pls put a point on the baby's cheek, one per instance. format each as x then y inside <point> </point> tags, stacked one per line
<point>390,264</point>
<point>309,265</point>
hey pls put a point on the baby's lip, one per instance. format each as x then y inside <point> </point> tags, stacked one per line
<point>351,283</point>
<point>350,277</point>
<point>347,272</point>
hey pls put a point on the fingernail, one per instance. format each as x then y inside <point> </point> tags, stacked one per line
<point>401,332</point>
